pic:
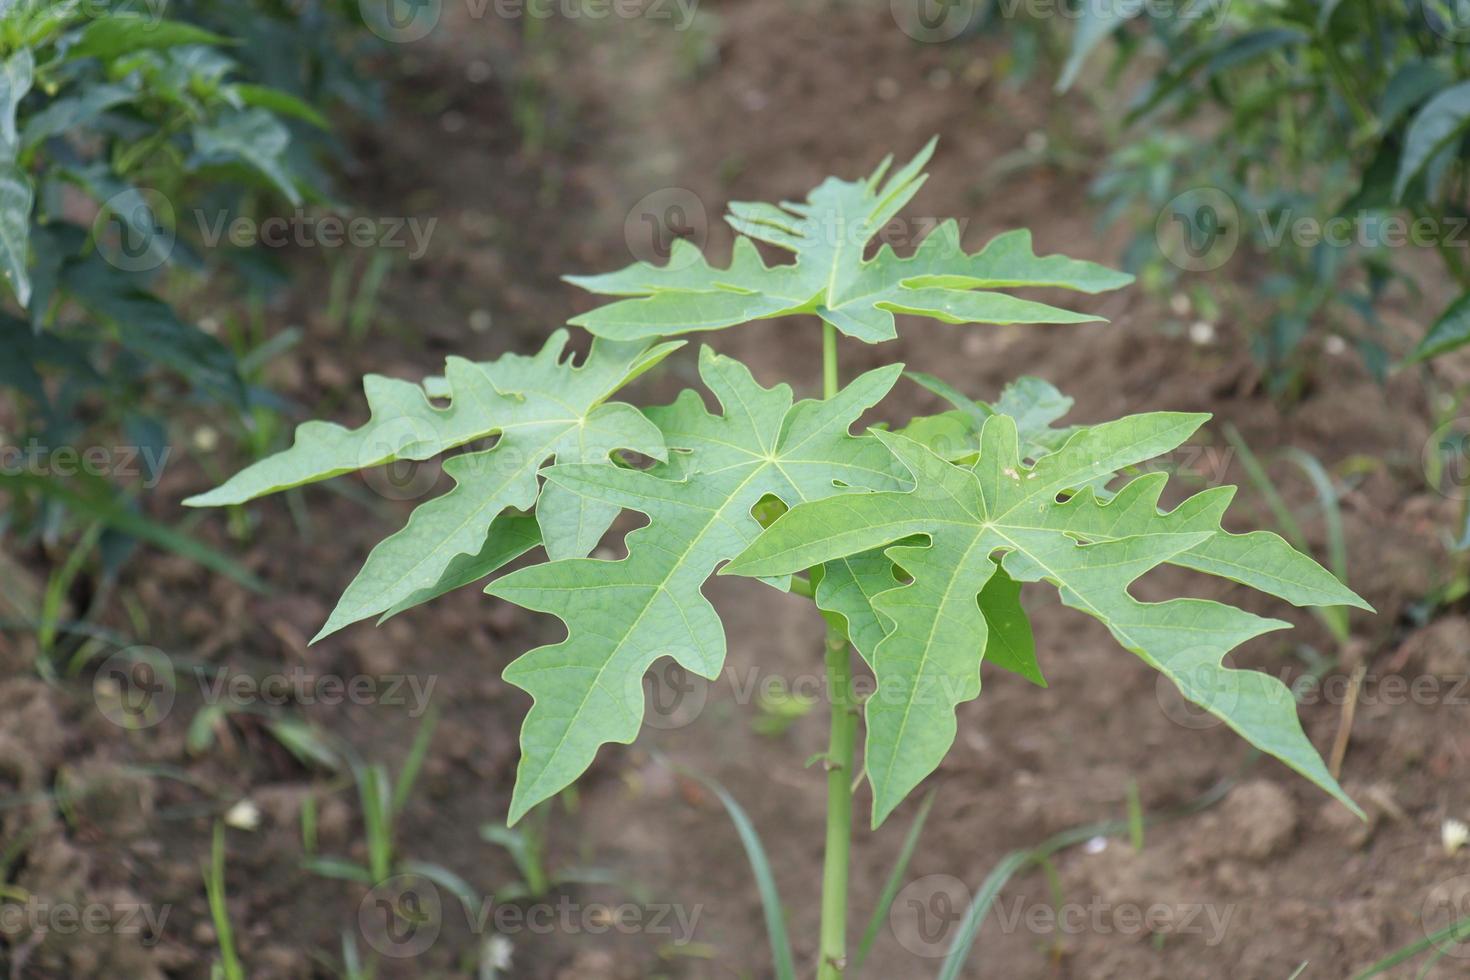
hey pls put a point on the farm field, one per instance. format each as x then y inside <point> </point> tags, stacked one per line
<point>267,799</point>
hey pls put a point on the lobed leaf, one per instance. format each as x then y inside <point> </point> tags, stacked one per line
<point>829,234</point>
<point>540,407</point>
<point>1090,549</point>
<point>623,615</point>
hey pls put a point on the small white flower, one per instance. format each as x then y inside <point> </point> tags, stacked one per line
<point>495,955</point>
<point>1202,332</point>
<point>206,439</point>
<point>244,815</point>
<point>1335,345</point>
<point>1454,834</point>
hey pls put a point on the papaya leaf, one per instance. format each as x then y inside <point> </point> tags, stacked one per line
<point>1090,549</point>
<point>852,583</point>
<point>511,535</point>
<point>541,407</point>
<point>830,279</point>
<point>623,615</point>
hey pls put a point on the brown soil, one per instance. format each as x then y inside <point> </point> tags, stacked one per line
<point>759,103</point>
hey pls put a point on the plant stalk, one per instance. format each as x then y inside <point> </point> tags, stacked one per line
<point>840,745</point>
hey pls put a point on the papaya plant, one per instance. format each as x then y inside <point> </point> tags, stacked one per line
<point>914,544</point>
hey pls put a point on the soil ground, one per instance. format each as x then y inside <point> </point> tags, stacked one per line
<point>758,102</point>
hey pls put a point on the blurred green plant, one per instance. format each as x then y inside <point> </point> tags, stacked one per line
<point>1325,137</point>
<point>116,122</point>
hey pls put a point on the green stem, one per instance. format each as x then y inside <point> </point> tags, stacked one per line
<point>829,360</point>
<point>842,738</point>
<point>839,808</point>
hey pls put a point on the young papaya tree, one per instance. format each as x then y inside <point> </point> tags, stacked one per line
<point>914,544</point>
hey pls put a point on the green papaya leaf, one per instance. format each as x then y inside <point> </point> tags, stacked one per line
<point>1090,549</point>
<point>623,615</point>
<point>541,407</point>
<point>511,535</point>
<point>830,279</point>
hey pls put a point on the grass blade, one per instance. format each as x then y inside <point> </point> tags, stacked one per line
<point>1453,933</point>
<point>409,774</point>
<point>1017,861</point>
<point>214,888</point>
<point>893,885</point>
<point>126,521</point>
<point>760,865</point>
